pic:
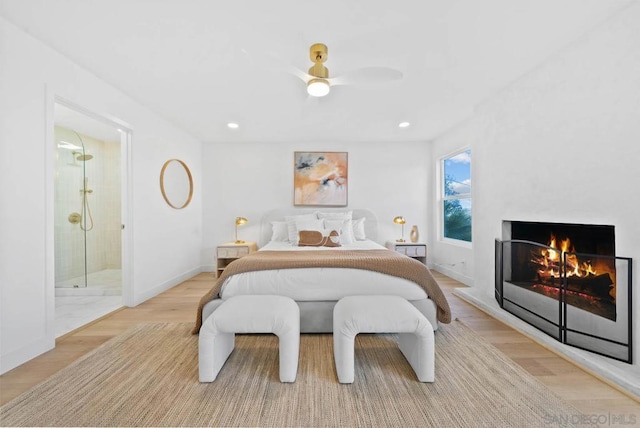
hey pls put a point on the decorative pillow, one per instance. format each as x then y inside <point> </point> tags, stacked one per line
<point>343,215</point>
<point>310,238</point>
<point>292,231</point>
<point>280,231</point>
<point>345,227</point>
<point>316,238</point>
<point>312,224</point>
<point>332,239</point>
<point>358,229</point>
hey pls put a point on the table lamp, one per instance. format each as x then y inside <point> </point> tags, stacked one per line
<point>239,222</point>
<point>401,221</point>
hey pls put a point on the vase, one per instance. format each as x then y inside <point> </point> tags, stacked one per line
<point>414,234</point>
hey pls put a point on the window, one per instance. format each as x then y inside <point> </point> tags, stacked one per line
<point>456,196</point>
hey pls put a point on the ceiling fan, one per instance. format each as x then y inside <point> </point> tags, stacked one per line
<point>319,83</point>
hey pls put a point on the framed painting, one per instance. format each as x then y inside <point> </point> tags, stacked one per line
<point>320,179</point>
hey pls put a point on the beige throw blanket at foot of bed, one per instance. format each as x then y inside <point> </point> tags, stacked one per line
<point>383,261</point>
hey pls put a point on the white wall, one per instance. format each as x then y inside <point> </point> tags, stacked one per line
<point>167,242</point>
<point>562,145</point>
<point>249,179</point>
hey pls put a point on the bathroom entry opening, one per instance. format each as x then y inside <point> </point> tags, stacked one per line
<point>87,206</point>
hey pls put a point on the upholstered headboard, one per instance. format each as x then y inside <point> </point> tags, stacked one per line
<point>370,224</point>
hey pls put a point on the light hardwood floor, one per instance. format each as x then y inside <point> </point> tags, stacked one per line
<point>589,394</point>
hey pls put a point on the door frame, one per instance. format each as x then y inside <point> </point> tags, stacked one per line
<point>126,173</point>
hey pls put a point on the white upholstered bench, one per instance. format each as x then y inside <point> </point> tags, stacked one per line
<point>250,314</point>
<point>382,314</point>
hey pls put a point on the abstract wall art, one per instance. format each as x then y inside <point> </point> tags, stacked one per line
<point>320,179</point>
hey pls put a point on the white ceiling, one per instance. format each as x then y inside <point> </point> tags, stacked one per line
<point>203,63</point>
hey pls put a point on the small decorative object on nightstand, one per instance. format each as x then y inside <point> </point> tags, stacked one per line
<point>412,249</point>
<point>400,220</point>
<point>414,235</point>
<point>226,253</point>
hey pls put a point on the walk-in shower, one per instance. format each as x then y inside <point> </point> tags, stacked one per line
<point>87,215</point>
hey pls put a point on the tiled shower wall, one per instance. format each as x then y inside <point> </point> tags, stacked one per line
<point>103,242</point>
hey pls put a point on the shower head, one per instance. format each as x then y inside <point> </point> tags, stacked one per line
<point>82,157</point>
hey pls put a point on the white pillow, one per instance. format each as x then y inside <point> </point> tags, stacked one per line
<point>358,229</point>
<point>314,224</point>
<point>280,231</point>
<point>343,215</point>
<point>344,227</point>
<point>292,231</point>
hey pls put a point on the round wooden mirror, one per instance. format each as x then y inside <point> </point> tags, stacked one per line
<point>176,183</point>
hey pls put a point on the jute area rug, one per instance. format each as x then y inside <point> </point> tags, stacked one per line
<point>148,376</point>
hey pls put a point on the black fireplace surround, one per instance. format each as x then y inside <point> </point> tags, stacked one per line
<point>565,280</point>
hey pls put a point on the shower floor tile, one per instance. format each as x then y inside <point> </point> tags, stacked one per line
<point>107,282</point>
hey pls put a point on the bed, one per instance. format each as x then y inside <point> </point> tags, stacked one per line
<point>316,277</point>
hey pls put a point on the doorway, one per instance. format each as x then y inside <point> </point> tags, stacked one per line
<point>88,207</point>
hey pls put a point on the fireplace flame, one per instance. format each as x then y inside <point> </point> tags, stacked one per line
<point>548,264</point>
<point>550,261</point>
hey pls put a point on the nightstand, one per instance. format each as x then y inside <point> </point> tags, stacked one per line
<point>415,250</point>
<point>226,253</point>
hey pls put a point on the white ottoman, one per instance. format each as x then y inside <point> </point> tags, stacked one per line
<point>250,314</point>
<point>382,314</point>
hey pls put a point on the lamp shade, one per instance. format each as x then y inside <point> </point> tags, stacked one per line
<point>399,220</point>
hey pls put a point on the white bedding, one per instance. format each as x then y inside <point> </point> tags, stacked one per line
<point>312,284</point>
<point>367,244</point>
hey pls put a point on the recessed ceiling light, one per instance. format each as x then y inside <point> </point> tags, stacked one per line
<point>404,124</point>
<point>232,125</point>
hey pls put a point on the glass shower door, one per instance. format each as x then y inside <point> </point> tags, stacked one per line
<point>72,210</point>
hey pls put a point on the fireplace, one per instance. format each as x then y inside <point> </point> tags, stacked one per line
<point>566,280</point>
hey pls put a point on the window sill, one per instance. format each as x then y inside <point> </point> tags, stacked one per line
<point>457,243</point>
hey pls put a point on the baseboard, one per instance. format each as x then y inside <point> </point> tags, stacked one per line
<point>142,297</point>
<point>15,358</point>
<point>445,270</point>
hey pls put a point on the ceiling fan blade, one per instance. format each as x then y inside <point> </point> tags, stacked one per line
<point>367,76</point>
<point>305,77</point>
<point>274,62</point>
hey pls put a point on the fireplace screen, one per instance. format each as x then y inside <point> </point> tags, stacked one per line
<point>580,298</point>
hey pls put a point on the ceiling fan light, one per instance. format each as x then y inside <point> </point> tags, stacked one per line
<point>318,87</point>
